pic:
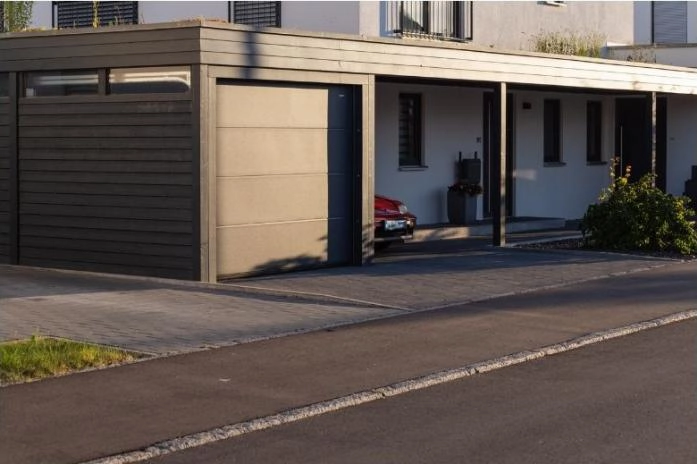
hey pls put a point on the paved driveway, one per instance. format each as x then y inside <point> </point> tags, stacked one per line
<point>161,316</point>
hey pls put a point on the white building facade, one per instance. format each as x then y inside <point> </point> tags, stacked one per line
<point>452,121</point>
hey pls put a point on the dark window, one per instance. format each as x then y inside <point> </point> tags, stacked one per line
<point>4,85</point>
<point>552,131</point>
<point>171,79</point>
<point>594,131</point>
<point>257,14</point>
<point>2,17</point>
<point>410,130</point>
<point>83,14</point>
<point>669,22</point>
<point>61,83</point>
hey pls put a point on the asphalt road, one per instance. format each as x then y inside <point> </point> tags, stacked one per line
<point>629,400</point>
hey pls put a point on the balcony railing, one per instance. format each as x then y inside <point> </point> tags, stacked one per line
<point>438,20</point>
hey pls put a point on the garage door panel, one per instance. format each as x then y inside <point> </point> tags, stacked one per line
<point>257,151</point>
<point>284,163</point>
<point>256,248</point>
<point>254,200</point>
<point>258,106</point>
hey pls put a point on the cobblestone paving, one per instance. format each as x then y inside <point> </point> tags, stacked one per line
<point>165,317</point>
<point>423,281</point>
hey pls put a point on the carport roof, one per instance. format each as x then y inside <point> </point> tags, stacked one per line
<point>221,44</point>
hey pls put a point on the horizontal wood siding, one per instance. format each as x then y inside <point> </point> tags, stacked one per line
<point>4,181</point>
<point>107,185</point>
<point>120,46</point>
<point>224,46</point>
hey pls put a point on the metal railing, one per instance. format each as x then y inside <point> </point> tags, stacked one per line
<point>439,20</point>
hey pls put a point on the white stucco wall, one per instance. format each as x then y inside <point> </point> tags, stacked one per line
<point>681,142</point>
<point>41,15</point>
<point>452,119</point>
<point>512,25</point>
<point>325,16</point>
<point>565,190</point>
<point>642,23</point>
<point>158,12</point>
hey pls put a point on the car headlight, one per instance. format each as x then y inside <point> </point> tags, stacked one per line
<point>403,209</point>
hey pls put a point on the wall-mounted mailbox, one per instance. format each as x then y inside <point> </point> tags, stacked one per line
<point>469,170</point>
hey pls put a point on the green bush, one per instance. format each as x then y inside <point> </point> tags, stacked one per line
<point>639,216</point>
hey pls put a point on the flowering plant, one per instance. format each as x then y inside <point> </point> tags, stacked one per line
<point>463,188</point>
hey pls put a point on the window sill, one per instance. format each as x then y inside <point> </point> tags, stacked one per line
<point>413,168</point>
<point>554,164</point>
<point>596,163</point>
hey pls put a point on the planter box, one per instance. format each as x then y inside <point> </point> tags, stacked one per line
<point>462,208</point>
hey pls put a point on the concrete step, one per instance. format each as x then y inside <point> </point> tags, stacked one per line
<point>484,228</point>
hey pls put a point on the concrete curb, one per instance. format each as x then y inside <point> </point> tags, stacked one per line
<point>296,414</point>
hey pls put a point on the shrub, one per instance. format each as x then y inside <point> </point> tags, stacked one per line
<point>639,216</point>
<point>569,43</point>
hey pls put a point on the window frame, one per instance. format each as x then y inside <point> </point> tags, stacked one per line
<point>552,131</point>
<point>411,152</point>
<point>233,13</point>
<point>594,131</point>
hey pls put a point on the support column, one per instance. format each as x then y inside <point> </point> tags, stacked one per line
<point>367,169</point>
<point>498,187</point>
<point>651,131</point>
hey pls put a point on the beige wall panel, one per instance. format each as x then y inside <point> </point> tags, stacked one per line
<point>268,246</point>
<point>254,151</point>
<point>250,106</point>
<point>263,199</point>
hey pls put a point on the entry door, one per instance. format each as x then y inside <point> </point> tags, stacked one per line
<point>488,147</point>
<point>284,164</point>
<point>632,138</point>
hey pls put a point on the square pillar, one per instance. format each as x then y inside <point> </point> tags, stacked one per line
<point>498,187</point>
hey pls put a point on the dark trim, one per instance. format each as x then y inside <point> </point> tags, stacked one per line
<point>196,124</point>
<point>102,79</point>
<point>499,165</point>
<point>229,11</point>
<point>13,154</point>
<point>357,166</point>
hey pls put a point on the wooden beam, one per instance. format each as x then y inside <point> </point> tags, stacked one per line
<point>651,131</point>
<point>499,165</point>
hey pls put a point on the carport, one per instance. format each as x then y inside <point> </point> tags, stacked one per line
<point>257,156</point>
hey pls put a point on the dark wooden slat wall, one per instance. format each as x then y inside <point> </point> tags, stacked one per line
<point>4,180</point>
<point>106,185</point>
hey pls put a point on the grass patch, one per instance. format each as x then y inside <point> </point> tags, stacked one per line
<point>40,357</point>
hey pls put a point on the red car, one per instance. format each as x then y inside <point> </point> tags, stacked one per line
<point>393,222</point>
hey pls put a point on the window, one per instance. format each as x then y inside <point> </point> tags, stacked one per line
<point>83,14</point>
<point>552,131</point>
<point>4,85</point>
<point>61,83</point>
<point>3,27</point>
<point>432,19</point>
<point>172,79</point>
<point>594,130</point>
<point>257,14</point>
<point>410,130</point>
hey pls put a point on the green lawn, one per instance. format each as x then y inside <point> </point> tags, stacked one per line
<point>40,357</point>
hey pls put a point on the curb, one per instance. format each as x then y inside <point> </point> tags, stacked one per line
<point>366,396</point>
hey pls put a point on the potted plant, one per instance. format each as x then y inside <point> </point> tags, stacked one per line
<point>462,202</point>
